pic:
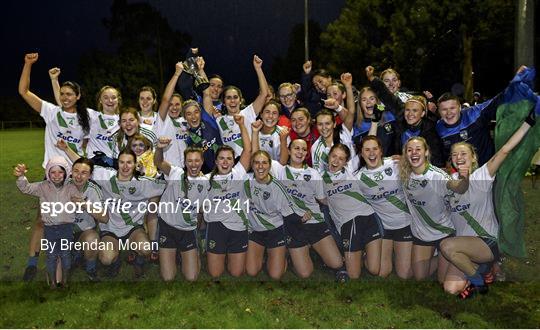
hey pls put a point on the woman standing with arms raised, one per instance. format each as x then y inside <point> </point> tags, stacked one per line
<point>69,122</point>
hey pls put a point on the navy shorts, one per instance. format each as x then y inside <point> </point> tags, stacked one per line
<point>173,238</point>
<point>435,243</point>
<point>399,235</point>
<point>358,232</point>
<point>299,234</point>
<point>123,238</point>
<point>493,246</point>
<point>222,240</point>
<point>269,238</point>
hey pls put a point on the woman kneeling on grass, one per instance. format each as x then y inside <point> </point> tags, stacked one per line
<point>304,185</point>
<point>129,195</point>
<point>474,248</point>
<point>379,182</point>
<point>226,230</point>
<point>188,188</point>
<point>355,219</point>
<point>427,189</point>
<point>268,204</point>
<point>85,223</point>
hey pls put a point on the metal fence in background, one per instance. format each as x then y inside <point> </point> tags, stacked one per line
<point>21,124</point>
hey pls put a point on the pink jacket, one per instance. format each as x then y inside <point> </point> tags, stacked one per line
<point>49,194</point>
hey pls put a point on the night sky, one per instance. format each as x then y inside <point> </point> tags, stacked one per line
<point>227,32</point>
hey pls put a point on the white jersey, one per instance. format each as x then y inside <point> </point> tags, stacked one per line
<point>230,131</point>
<point>183,211</point>
<point>228,199</point>
<point>60,125</point>
<point>473,213</point>
<point>92,194</point>
<point>345,200</point>
<point>320,151</point>
<point>150,135</point>
<point>271,143</point>
<point>383,190</point>
<point>304,185</point>
<point>177,130</point>
<point>133,195</point>
<point>427,198</point>
<point>102,127</point>
<point>148,122</point>
<point>268,204</point>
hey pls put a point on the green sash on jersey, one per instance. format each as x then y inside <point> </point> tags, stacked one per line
<point>62,123</point>
<point>300,203</point>
<point>267,224</point>
<point>430,222</point>
<point>391,199</point>
<point>115,189</point>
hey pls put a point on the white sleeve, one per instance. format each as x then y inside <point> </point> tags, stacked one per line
<point>319,185</point>
<point>481,179</point>
<point>102,174</point>
<point>438,184</point>
<point>175,173</point>
<point>153,187</point>
<point>48,111</point>
<point>277,170</point>
<point>249,114</point>
<point>94,194</point>
<point>239,172</point>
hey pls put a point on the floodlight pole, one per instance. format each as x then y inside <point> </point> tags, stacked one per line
<point>524,37</point>
<point>306,26</point>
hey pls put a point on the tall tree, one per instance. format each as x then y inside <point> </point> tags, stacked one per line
<point>422,39</point>
<point>146,44</point>
<point>289,68</point>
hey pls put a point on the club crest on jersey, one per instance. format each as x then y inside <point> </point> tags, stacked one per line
<point>266,195</point>
<point>307,177</point>
<point>423,183</point>
<point>199,188</point>
<point>464,134</point>
<point>162,239</point>
<point>132,190</point>
<point>388,171</point>
<point>388,128</point>
<point>271,144</point>
<point>378,176</point>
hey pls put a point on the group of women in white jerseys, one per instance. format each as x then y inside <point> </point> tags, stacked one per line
<point>263,202</point>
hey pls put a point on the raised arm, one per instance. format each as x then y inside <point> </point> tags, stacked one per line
<point>24,83</point>
<point>245,157</point>
<point>391,102</point>
<point>53,74</point>
<point>461,185</point>
<point>343,113</point>
<point>283,147</point>
<point>208,105</point>
<point>72,155</point>
<point>495,162</point>
<point>169,90</point>
<point>263,85</point>
<point>22,182</point>
<point>348,118</point>
<point>255,129</point>
<point>160,163</point>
